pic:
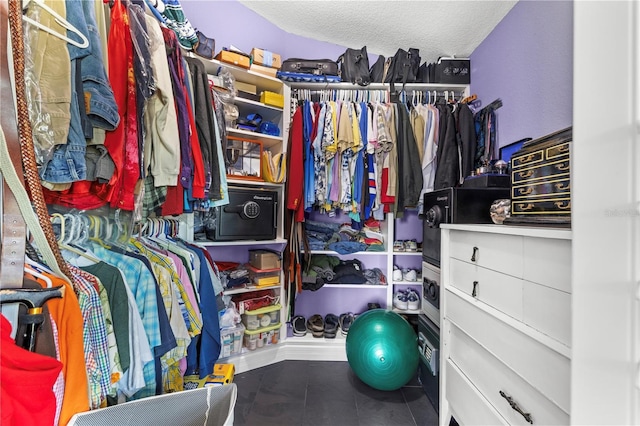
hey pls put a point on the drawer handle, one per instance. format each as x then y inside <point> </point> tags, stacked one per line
<point>562,186</point>
<point>524,175</point>
<point>526,191</point>
<point>525,207</point>
<point>514,405</point>
<point>527,158</point>
<point>562,167</point>
<point>474,293</point>
<point>563,205</point>
<point>473,256</point>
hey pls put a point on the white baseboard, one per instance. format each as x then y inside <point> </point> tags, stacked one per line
<point>293,348</point>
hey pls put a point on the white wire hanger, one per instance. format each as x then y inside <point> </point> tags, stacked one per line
<point>60,20</point>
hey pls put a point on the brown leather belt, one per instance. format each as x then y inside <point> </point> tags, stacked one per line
<point>13,225</point>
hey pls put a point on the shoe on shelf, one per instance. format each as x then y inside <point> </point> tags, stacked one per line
<point>374,305</point>
<point>413,300</point>
<point>331,323</point>
<point>345,322</point>
<point>398,245</point>
<point>315,324</point>
<point>409,275</point>
<point>400,300</point>
<point>372,224</point>
<point>299,326</point>
<point>397,273</point>
<point>411,245</point>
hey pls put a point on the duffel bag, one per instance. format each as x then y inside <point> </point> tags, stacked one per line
<point>310,66</point>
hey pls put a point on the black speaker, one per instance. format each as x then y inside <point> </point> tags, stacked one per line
<point>250,215</point>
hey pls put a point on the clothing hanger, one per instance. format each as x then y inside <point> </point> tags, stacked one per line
<point>59,216</point>
<point>60,20</point>
<point>38,274</point>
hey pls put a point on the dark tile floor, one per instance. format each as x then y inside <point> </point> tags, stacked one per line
<point>325,393</point>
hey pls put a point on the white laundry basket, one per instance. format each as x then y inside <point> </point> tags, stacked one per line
<point>210,406</point>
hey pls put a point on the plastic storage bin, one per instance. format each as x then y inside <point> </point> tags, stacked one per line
<point>254,339</point>
<point>264,277</point>
<point>261,318</point>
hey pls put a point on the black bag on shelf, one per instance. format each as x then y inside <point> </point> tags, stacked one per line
<point>426,73</point>
<point>404,67</point>
<point>354,66</point>
<point>376,73</point>
<point>310,66</point>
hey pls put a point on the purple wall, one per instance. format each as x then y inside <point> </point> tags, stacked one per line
<point>527,61</point>
<point>231,23</point>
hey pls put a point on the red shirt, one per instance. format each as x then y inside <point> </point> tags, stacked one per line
<point>26,388</point>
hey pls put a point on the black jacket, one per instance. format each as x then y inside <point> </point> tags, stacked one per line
<point>409,165</point>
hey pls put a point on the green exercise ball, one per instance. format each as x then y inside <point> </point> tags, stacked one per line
<point>382,349</point>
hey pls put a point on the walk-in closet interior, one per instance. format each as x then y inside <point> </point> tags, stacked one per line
<point>319,212</point>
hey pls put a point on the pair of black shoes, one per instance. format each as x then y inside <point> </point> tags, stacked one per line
<point>323,327</point>
<point>326,327</point>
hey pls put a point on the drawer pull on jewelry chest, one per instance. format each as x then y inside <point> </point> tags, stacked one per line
<point>514,405</point>
<point>474,293</point>
<point>473,256</point>
<point>524,175</point>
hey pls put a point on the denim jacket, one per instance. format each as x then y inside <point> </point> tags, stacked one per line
<point>68,163</point>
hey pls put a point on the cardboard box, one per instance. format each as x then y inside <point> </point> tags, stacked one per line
<point>264,259</point>
<point>266,58</point>
<point>246,87</point>
<point>272,98</point>
<point>270,72</point>
<point>233,58</point>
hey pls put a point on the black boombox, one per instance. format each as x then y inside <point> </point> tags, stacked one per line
<point>250,215</point>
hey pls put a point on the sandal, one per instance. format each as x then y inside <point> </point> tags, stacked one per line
<point>330,326</point>
<point>345,322</point>
<point>315,324</point>
<point>299,326</point>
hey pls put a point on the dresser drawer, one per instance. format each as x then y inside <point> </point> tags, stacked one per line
<point>542,367</point>
<point>548,188</point>
<point>467,405</point>
<point>547,310</point>
<point>560,205</point>
<point>549,170</point>
<point>502,253</point>
<point>490,376</point>
<point>498,290</point>
<point>548,262</point>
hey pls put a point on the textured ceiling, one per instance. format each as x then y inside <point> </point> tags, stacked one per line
<point>437,28</point>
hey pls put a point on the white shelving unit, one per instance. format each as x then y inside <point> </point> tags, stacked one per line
<point>270,353</point>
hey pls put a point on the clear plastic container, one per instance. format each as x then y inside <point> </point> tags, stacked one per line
<point>261,318</point>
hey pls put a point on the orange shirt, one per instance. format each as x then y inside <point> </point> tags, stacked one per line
<point>66,313</point>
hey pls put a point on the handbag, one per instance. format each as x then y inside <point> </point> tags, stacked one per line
<point>376,73</point>
<point>205,46</point>
<point>310,66</point>
<point>354,66</point>
<point>404,67</point>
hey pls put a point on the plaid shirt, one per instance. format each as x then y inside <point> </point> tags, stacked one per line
<point>116,371</point>
<point>171,304</point>
<point>142,284</point>
<point>154,196</point>
<point>96,349</point>
<point>190,315</point>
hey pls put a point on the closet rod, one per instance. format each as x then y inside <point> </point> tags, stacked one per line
<point>380,86</point>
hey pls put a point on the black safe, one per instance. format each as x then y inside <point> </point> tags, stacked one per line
<point>454,205</point>
<point>250,215</point>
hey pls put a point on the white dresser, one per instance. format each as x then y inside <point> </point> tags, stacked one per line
<point>505,325</point>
